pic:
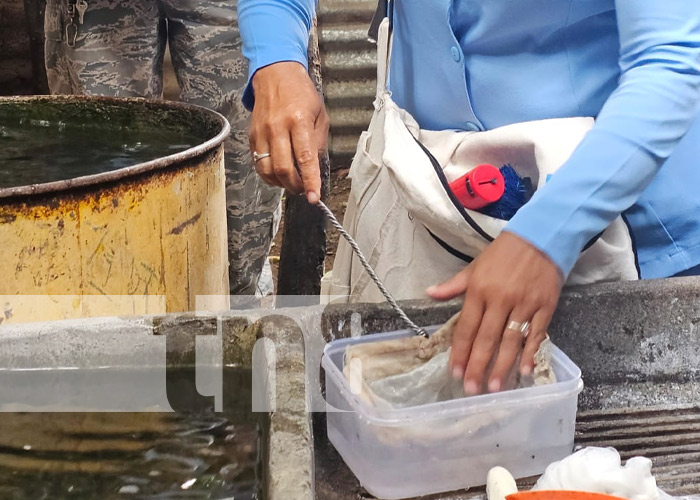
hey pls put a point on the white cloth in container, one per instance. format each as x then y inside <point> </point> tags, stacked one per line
<point>413,371</point>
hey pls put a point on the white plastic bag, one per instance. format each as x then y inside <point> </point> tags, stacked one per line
<point>600,470</point>
<point>593,470</point>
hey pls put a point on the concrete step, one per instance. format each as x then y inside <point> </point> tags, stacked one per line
<point>346,11</point>
<point>344,37</point>
<point>351,64</point>
<point>349,93</point>
<point>344,120</point>
<point>345,144</point>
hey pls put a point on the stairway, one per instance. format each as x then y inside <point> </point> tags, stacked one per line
<point>349,72</point>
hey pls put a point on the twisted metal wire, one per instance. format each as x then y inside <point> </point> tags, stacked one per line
<point>356,248</point>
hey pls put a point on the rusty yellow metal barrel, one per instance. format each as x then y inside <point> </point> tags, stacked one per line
<point>145,238</point>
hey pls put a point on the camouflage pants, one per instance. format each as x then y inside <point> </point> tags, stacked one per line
<point>118,50</point>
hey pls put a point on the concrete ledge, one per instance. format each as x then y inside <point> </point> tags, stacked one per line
<point>84,343</point>
<point>637,344</point>
<point>643,331</point>
<point>178,340</point>
<point>288,450</point>
<point>632,331</point>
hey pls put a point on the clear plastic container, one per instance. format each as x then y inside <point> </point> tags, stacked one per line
<point>451,445</point>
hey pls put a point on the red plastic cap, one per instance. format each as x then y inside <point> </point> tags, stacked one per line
<point>481,186</point>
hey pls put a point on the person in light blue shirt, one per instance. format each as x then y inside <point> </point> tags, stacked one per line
<point>634,65</point>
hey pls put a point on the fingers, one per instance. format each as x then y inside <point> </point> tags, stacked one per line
<point>511,344</point>
<point>484,347</point>
<point>306,156</point>
<point>290,123</point>
<point>527,362</point>
<point>510,280</point>
<point>464,334</point>
<point>452,288</point>
<point>538,332</point>
<point>294,161</point>
<point>264,165</point>
<point>283,164</point>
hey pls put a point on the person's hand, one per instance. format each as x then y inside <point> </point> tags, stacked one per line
<point>510,281</point>
<point>290,123</point>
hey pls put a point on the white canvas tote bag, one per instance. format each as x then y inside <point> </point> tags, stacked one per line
<point>410,226</point>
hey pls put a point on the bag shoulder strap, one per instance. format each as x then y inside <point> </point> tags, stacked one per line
<point>379,15</point>
<point>381,32</point>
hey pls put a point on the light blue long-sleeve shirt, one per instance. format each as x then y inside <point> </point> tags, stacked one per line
<point>480,64</point>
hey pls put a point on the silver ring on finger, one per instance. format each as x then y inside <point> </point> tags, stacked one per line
<point>522,328</point>
<point>259,156</point>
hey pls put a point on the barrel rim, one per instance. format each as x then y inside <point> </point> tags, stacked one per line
<point>93,180</point>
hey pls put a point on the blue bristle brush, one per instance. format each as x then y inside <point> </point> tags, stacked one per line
<point>517,192</point>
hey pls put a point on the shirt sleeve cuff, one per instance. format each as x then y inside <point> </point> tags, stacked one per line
<point>273,32</point>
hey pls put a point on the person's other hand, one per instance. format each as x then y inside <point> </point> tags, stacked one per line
<point>290,123</point>
<point>510,280</point>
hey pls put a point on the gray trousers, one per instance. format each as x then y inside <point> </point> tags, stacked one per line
<point>118,51</point>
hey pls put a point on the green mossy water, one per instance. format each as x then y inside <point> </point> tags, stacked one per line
<point>197,454</point>
<point>45,141</point>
